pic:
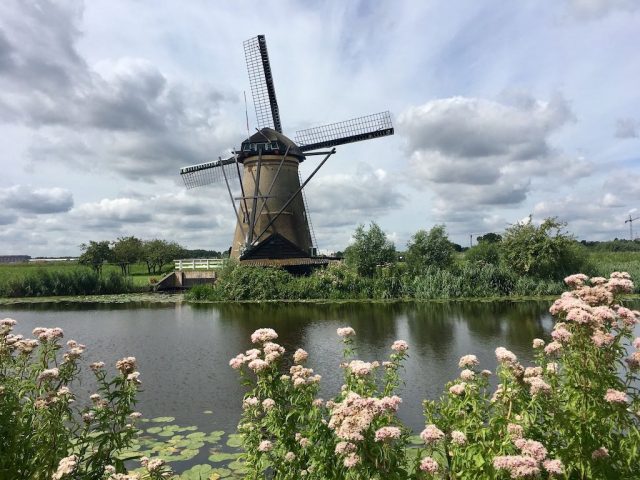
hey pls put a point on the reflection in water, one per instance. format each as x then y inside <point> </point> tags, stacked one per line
<point>183,350</point>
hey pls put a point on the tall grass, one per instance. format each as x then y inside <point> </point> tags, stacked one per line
<point>41,282</point>
<point>339,282</point>
<point>606,262</point>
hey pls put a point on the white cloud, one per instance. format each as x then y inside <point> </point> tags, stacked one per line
<point>591,9</point>
<point>476,153</point>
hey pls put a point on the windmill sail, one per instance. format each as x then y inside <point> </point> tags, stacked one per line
<point>261,81</point>
<point>349,131</point>
<point>208,173</point>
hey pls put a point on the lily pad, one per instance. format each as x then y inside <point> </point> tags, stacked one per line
<point>197,472</point>
<point>220,472</point>
<point>222,456</point>
<point>235,440</point>
<point>163,419</point>
<point>154,430</point>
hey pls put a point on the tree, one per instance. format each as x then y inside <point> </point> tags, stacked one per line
<point>544,251</point>
<point>127,250</point>
<point>369,249</point>
<point>95,254</point>
<point>158,253</point>
<point>431,248</point>
<point>490,238</point>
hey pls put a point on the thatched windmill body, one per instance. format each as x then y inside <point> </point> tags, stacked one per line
<point>263,179</point>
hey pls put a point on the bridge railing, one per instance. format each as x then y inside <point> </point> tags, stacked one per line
<point>199,264</point>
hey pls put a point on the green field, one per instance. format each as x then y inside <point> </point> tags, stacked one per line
<point>139,275</point>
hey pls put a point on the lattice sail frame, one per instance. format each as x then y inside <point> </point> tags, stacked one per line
<point>348,131</point>
<point>210,172</point>
<point>261,81</point>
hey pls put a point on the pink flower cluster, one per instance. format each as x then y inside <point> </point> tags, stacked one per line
<point>400,346</point>
<point>387,434</point>
<point>616,396</point>
<point>429,465</point>
<point>263,335</point>
<point>346,332</point>
<point>530,462</point>
<point>351,417</point>
<point>431,434</point>
<point>301,376</point>
<point>468,361</point>
<point>505,356</point>
<point>362,369</point>
<point>48,334</point>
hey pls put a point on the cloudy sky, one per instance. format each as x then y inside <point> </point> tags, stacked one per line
<point>502,109</point>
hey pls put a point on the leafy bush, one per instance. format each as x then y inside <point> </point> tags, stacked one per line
<point>429,249</point>
<point>44,433</point>
<point>544,251</point>
<point>573,414</point>
<point>484,252</point>
<point>370,248</point>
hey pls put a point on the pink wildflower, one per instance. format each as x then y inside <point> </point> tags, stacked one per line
<point>66,467</point>
<point>468,361</point>
<point>360,368</point>
<point>351,460</point>
<point>258,365</point>
<point>553,348</point>
<point>345,447</point>
<point>561,334</point>
<point>263,335</point>
<point>515,431</point>
<point>268,404</point>
<point>616,396</point>
<point>400,346</point>
<point>599,453</point>
<point>300,356</point>
<point>431,434</point>
<point>538,343</point>
<point>265,446</point>
<point>554,467</point>
<point>48,374</point>
<point>537,385</point>
<point>250,402</point>
<point>386,434</point>
<point>346,332</point>
<point>532,449</point>
<point>467,375</point>
<point>458,437</point>
<point>126,365</point>
<point>633,360</point>
<point>429,465</point>
<point>636,343</point>
<point>519,466</point>
<point>237,361</point>
<point>457,389</point>
<point>505,356</point>
<point>576,280</point>
<point>290,457</point>
<point>602,339</point>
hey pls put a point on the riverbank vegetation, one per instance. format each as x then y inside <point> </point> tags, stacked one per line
<point>573,414</point>
<point>527,260</point>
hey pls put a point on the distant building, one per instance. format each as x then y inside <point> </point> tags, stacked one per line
<point>14,258</point>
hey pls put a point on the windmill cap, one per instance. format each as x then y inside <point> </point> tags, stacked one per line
<point>269,141</point>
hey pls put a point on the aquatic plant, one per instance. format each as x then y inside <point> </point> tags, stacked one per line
<point>46,431</point>
<point>574,413</point>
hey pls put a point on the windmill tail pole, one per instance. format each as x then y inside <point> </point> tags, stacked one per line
<point>333,150</point>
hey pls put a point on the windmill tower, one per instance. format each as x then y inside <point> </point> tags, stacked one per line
<point>630,222</point>
<point>272,219</point>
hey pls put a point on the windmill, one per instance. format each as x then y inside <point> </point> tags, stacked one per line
<point>271,212</point>
<point>630,222</point>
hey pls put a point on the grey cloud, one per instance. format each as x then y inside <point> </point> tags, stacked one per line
<point>594,9</point>
<point>124,116</point>
<point>36,201</point>
<point>347,199</point>
<point>627,128</point>
<point>7,218</point>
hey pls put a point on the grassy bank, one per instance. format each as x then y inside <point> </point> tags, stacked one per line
<point>69,278</point>
<point>464,280</point>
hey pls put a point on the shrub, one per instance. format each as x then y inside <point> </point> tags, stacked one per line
<point>429,249</point>
<point>43,434</point>
<point>573,414</point>
<point>544,251</point>
<point>484,253</point>
<point>370,248</point>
